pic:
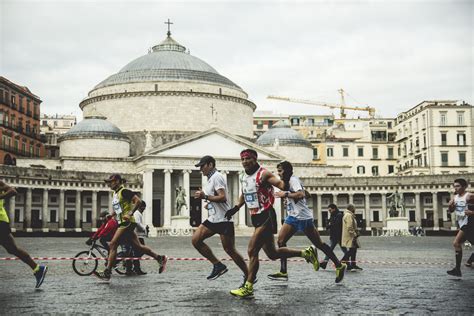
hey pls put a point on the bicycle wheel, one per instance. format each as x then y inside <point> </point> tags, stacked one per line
<point>121,265</point>
<point>84,267</point>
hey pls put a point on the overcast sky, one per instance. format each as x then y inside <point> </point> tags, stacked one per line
<point>387,54</point>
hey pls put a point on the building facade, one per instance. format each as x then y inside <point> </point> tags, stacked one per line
<point>52,127</point>
<point>19,121</point>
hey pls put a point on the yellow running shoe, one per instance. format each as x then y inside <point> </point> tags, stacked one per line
<point>340,272</point>
<point>311,256</point>
<point>245,291</point>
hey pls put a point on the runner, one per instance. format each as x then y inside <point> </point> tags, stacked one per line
<point>124,204</point>
<point>459,205</point>
<point>300,218</point>
<point>257,192</point>
<point>7,240</point>
<point>215,193</point>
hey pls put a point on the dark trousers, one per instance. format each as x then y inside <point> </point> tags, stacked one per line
<point>138,254</point>
<point>332,245</point>
<point>350,256</point>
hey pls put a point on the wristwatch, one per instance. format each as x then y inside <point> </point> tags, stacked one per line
<point>286,194</point>
<point>206,197</point>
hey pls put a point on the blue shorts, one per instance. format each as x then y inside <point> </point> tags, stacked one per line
<point>299,225</point>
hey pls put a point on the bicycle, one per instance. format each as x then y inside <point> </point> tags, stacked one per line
<point>89,260</point>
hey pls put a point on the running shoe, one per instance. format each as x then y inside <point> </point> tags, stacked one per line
<point>279,276</point>
<point>355,267</point>
<point>311,256</point>
<point>245,291</point>
<point>340,272</point>
<point>218,270</point>
<point>454,272</point>
<point>244,279</point>
<point>103,275</point>
<point>139,272</point>
<point>39,275</point>
<point>162,260</point>
<point>323,265</point>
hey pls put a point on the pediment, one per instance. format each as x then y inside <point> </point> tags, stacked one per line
<point>214,142</point>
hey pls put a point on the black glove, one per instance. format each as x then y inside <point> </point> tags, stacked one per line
<point>89,241</point>
<point>231,212</point>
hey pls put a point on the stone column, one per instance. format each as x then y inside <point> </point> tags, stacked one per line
<point>94,210</point>
<point>204,211</point>
<point>11,211</point>
<point>44,211</point>
<point>78,212</point>
<point>168,197</point>
<point>351,198</point>
<point>383,212</point>
<point>334,198</point>
<point>417,209</point>
<point>61,210</point>
<point>111,198</point>
<point>319,208</point>
<point>186,185</point>
<point>367,211</point>
<point>27,218</point>
<point>435,211</point>
<point>148,197</point>
<point>235,194</point>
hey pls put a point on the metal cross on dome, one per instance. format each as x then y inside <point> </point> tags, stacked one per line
<point>169,24</point>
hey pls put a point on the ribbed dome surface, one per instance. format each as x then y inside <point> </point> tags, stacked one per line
<point>94,127</point>
<point>285,135</point>
<point>167,61</point>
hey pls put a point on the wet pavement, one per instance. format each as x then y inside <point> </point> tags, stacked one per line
<point>387,285</point>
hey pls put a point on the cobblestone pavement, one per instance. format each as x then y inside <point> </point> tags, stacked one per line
<point>183,288</point>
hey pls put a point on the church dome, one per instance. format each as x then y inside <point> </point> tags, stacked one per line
<point>167,61</point>
<point>94,125</point>
<point>284,135</point>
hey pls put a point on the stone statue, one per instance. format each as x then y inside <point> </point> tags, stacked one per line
<point>397,205</point>
<point>148,141</point>
<point>180,200</point>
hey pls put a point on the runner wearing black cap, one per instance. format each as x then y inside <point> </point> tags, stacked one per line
<point>124,204</point>
<point>215,193</point>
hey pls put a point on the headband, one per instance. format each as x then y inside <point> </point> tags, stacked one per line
<point>248,154</point>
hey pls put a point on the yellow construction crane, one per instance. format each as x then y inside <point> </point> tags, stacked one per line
<point>342,106</point>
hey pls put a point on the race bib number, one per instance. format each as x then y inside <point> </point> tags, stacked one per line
<point>211,210</point>
<point>251,200</point>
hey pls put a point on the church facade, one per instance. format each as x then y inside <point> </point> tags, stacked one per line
<point>153,120</point>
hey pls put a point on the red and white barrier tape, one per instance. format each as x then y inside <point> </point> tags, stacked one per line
<point>225,259</point>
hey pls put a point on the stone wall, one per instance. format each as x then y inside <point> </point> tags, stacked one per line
<point>94,147</point>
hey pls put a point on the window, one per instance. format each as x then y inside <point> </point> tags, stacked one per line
<point>462,158</point>
<point>295,121</point>
<point>443,119</point>
<point>460,118</point>
<point>310,122</point>
<point>444,159</point>
<point>391,169</point>
<point>390,152</point>
<point>330,152</point>
<point>345,151</point>
<point>376,216</point>
<point>428,200</point>
<point>360,151</point>
<point>444,138</point>
<point>375,153</point>
<point>71,200</point>
<point>360,170</point>
<point>461,137</point>
<point>23,148</point>
<point>259,124</point>
<point>375,170</point>
<point>52,216</point>
<point>424,140</point>
<point>315,154</point>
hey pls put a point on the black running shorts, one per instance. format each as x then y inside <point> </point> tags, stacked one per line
<point>223,228</point>
<point>5,230</point>
<point>267,218</point>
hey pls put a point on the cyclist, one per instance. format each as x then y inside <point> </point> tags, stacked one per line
<point>106,231</point>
